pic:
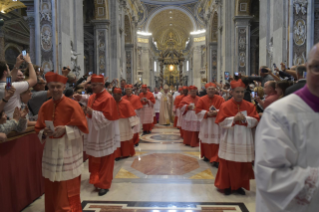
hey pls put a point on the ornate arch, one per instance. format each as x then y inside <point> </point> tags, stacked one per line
<point>101,9</point>
<point>191,17</point>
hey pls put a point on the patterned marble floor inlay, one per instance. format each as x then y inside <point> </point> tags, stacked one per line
<point>165,164</point>
<point>162,135</point>
<point>100,206</point>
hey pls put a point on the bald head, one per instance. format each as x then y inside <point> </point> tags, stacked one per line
<point>313,70</point>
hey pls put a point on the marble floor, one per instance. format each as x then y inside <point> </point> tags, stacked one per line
<point>163,176</point>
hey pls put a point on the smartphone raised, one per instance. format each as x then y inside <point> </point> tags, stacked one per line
<point>253,94</point>
<point>24,53</point>
<point>103,74</point>
<point>83,92</point>
<point>90,73</point>
<point>8,86</point>
<point>304,74</point>
<point>274,65</point>
<point>236,74</point>
<point>226,75</point>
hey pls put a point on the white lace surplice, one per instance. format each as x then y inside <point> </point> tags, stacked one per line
<point>287,159</point>
<point>137,128</point>
<point>126,125</point>
<point>236,142</point>
<point>190,120</point>
<point>209,132</point>
<point>147,114</point>
<point>63,157</point>
<point>104,136</point>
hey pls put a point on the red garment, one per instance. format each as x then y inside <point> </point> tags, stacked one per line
<point>234,175</point>
<point>135,101</point>
<point>191,138</point>
<point>175,121</point>
<point>101,170</point>
<point>188,100</point>
<point>230,108</point>
<point>63,196</point>
<point>64,112</point>
<point>105,103</point>
<point>136,138</point>
<point>270,99</point>
<point>149,96</point>
<point>209,151</point>
<point>178,100</point>
<point>126,149</point>
<point>204,103</point>
<point>147,127</point>
<point>125,109</point>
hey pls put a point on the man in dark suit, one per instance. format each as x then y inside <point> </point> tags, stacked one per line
<point>301,80</point>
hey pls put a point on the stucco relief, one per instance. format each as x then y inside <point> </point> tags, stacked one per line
<point>47,66</point>
<point>128,66</point>
<point>242,59</point>
<point>101,50</point>
<point>300,32</point>
<point>46,37</point>
<point>316,26</point>
<point>300,6</point>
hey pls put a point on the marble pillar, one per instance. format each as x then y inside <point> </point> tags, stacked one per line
<point>129,50</point>
<point>242,44</point>
<point>2,53</point>
<point>213,64</point>
<point>114,39</point>
<point>31,22</point>
<point>101,46</point>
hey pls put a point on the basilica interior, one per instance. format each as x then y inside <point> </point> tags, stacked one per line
<point>157,43</point>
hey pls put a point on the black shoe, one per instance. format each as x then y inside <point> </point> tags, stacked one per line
<point>103,192</point>
<point>227,191</point>
<point>148,132</point>
<point>241,191</point>
<point>136,145</point>
<point>206,159</point>
<point>216,164</point>
<point>144,132</point>
<point>117,159</point>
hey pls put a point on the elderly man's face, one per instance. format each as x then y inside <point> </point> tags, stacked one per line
<point>20,76</point>
<point>97,87</point>
<point>313,70</point>
<point>117,96</point>
<point>123,83</point>
<point>56,89</point>
<point>128,91</point>
<point>193,92</point>
<point>155,90</point>
<point>210,91</point>
<point>238,94</point>
<point>26,96</point>
<point>144,90</point>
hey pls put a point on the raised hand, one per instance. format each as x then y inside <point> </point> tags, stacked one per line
<point>9,93</point>
<point>16,114</point>
<point>24,112</point>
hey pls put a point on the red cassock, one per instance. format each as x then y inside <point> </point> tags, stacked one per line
<point>126,111</point>
<point>179,121</point>
<point>178,100</point>
<point>190,135</point>
<point>101,168</point>
<point>147,113</point>
<point>234,174</point>
<point>62,195</point>
<point>209,150</point>
<point>137,105</point>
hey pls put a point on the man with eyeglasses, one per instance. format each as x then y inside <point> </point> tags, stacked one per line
<point>39,96</point>
<point>287,160</point>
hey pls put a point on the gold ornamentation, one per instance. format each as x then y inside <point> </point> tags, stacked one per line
<point>200,39</point>
<point>142,40</point>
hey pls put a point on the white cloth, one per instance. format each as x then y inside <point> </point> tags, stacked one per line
<point>157,105</point>
<point>126,125</point>
<point>287,158</point>
<point>179,120</point>
<point>176,94</point>
<point>236,142</point>
<point>104,136</point>
<point>147,113</point>
<point>63,157</point>
<point>209,131</point>
<point>189,121</point>
<point>137,128</point>
<point>14,101</point>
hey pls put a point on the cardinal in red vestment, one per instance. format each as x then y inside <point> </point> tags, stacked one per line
<point>147,112</point>
<point>104,137</point>
<point>137,105</point>
<point>128,120</point>
<point>61,124</point>
<point>176,103</point>
<point>236,149</point>
<point>190,123</point>
<point>207,109</point>
<point>178,108</point>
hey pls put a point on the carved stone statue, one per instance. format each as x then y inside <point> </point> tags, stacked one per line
<point>74,61</point>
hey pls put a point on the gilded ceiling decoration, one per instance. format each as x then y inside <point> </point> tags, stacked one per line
<point>171,28</point>
<point>9,5</point>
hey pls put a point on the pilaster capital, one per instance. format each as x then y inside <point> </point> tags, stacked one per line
<point>101,24</point>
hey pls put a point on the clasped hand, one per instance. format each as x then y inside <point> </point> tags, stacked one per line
<point>58,131</point>
<point>212,113</point>
<point>239,117</point>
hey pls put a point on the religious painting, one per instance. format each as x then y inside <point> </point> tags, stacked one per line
<point>300,32</point>
<point>46,37</point>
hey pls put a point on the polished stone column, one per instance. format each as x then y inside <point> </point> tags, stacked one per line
<point>31,22</point>
<point>101,46</point>
<point>213,65</point>
<point>2,53</point>
<point>129,50</point>
<point>114,39</point>
<point>242,44</point>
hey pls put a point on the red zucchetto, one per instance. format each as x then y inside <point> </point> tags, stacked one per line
<point>54,77</point>
<point>97,78</point>
<point>210,84</point>
<point>117,90</point>
<point>144,86</point>
<point>128,86</point>
<point>235,84</point>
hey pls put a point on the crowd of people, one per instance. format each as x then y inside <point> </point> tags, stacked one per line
<point>221,118</point>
